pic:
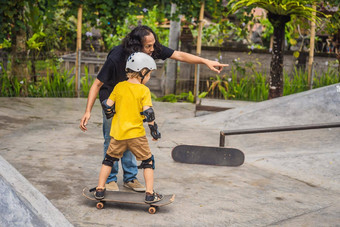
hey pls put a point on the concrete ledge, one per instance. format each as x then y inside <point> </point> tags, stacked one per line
<point>21,204</point>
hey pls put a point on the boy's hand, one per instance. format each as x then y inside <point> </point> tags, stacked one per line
<point>108,110</point>
<point>154,131</point>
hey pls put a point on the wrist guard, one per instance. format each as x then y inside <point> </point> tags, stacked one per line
<point>154,131</point>
<point>108,110</point>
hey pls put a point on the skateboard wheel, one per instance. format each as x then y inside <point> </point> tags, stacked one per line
<point>152,210</point>
<point>100,205</point>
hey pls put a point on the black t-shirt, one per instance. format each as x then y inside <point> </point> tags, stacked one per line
<point>113,70</point>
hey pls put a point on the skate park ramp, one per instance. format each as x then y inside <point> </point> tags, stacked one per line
<point>311,107</point>
<point>23,205</point>
<point>288,179</point>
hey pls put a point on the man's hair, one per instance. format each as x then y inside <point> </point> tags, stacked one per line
<point>133,42</point>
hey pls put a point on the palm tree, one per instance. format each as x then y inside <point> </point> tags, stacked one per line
<point>279,12</point>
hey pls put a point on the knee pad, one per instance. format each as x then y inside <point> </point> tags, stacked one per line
<point>145,164</point>
<point>108,160</point>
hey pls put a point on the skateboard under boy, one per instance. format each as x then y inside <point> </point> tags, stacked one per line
<point>220,156</point>
<point>127,197</point>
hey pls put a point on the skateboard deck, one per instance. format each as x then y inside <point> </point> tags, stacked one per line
<point>220,156</point>
<point>129,198</point>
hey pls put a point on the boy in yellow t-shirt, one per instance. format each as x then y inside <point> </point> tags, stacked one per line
<point>130,104</point>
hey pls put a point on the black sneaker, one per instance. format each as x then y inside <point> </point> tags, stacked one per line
<point>153,198</point>
<point>99,193</point>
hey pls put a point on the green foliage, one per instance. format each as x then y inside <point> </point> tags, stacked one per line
<point>149,18</point>
<point>331,76</point>
<point>86,82</point>
<point>61,34</point>
<point>221,84</point>
<point>11,17</point>
<point>296,9</point>
<point>168,98</point>
<point>298,81</point>
<point>278,7</point>
<point>245,82</point>
<point>191,9</point>
<point>332,21</point>
<point>10,86</point>
<point>55,84</point>
<point>183,97</point>
<point>279,13</point>
<point>31,17</point>
<point>105,14</point>
<point>112,40</point>
<point>6,44</point>
<point>215,34</point>
<point>212,35</point>
<point>35,42</point>
<point>57,18</point>
<point>295,83</point>
<point>291,29</point>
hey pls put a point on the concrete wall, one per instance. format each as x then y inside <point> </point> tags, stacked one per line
<point>321,61</point>
<point>185,79</point>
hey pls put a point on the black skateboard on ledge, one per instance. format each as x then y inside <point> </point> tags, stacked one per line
<point>219,156</point>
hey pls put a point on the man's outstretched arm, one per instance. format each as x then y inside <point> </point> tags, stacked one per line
<point>193,59</point>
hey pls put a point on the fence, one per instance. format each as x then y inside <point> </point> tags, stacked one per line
<point>185,75</point>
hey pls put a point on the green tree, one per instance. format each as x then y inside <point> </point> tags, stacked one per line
<point>29,28</point>
<point>191,8</point>
<point>279,13</point>
<point>13,29</point>
<point>26,20</point>
<point>332,8</point>
<point>27,31</point>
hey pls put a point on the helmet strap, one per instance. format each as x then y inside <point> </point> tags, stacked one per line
<point>142,76</point>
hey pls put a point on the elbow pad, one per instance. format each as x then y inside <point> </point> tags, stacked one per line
<point>149,115</point>
<point>108,110</point>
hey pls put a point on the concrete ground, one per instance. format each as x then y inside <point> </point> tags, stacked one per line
<point>288,178</point>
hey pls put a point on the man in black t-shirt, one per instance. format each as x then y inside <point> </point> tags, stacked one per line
<point>140,39</point>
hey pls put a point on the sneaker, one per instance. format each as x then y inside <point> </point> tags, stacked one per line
<point>135,185</point>
<point>112,186</point>
<point>99,193</point>
<point>153,198</point>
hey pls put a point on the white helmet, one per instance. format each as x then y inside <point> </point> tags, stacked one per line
<point>139,60</point>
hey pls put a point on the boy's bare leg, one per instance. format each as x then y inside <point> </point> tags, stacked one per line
<point>103,175</point>
<point>150,196</point>
<point>148,177</point>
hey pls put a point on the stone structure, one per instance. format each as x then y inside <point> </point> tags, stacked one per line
<point>92,60</point>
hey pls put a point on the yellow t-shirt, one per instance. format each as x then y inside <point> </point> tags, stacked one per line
<point>129,100</point>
